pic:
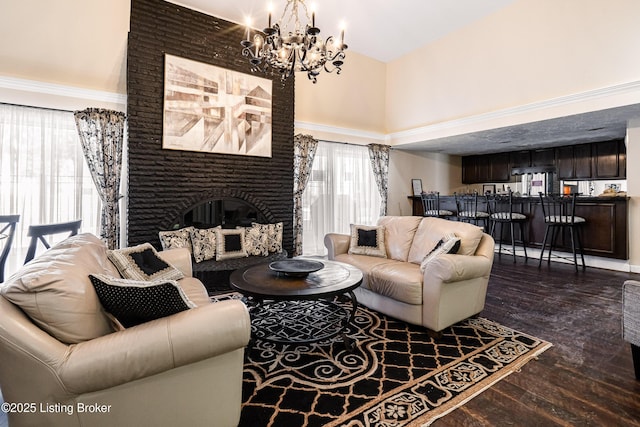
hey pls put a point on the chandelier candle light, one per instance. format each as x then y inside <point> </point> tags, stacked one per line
<point>287,47</point>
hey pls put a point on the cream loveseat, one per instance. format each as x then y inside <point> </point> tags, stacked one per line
<point>451,288</point>
<point>62,363</point>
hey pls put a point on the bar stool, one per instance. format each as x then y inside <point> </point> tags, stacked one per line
<point>431,205</point>
<point>468,209</point>
<point>559,212</point>
<point>501,211</point>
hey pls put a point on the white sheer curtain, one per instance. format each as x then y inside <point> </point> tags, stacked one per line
<point>43,174</point>
<point>341,191</point>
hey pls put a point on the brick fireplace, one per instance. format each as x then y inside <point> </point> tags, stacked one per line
<point>164,184</point>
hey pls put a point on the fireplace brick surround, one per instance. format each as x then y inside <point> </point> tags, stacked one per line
<point>163,184</point>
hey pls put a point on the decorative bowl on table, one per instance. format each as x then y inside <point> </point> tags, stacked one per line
<point>296,267</point>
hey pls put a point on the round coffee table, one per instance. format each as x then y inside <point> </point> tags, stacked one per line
<point>297,308</point>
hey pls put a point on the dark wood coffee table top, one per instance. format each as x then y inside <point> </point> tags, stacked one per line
<point>260,281</point>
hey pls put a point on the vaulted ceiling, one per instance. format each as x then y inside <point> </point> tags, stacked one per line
<point>386,30</point>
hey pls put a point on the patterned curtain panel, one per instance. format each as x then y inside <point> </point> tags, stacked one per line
<point>101,135</point>
<point>379,155</point>
<point>303,153</point>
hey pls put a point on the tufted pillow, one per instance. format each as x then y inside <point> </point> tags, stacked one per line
<point>133,302</point>
<point>142,262</point>
<point>256,240</point>
<point>203,242</point>
<point>449,244</point>
<point>176,238</point>
<point>230,244</point>
<point>367,240</point>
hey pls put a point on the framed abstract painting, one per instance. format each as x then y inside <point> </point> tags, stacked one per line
<point>215,110</point>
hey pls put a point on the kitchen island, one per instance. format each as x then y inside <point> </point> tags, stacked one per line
<point>605,234</point>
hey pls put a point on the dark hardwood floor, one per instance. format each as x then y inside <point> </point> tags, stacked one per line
<point>586,378</point>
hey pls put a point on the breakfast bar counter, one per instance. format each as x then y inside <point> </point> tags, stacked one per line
<point>605,234</point>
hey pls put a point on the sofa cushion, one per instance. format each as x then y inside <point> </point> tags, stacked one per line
<point>142,262</point>
<point>432,230</point>
<point>54,289</point>
<point>399,234</point>
<point>137,301</point>
<point>401,281</point>
<point>367,240</point>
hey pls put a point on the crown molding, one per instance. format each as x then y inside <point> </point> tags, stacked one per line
<point>35,86</point>
<point>340,131</point>
<point>593,100</point>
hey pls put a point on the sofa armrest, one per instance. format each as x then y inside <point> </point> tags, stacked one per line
<point>337,244</point>
<point>454,268</point>
<point>150,348</point>
<point>180,258</point>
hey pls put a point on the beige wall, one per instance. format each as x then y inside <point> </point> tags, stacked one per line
<point>438,172</point>
<point>69,42</point>
<point>354,99</point>
<point>529,51</point>
<point>633,191</point>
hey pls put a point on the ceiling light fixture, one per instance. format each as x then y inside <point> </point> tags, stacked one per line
<point>288,47</point>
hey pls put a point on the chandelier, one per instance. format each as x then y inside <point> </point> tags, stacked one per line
<point>287,47</point>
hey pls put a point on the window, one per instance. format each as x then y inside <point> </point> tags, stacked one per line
<point>341,191</point>
<point>43,174</point>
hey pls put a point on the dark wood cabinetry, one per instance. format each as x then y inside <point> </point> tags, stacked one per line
<point>520,159</point>
<point>574,162</point>
<point>543,157</point>
<point>486,168</point>
<point>608,157</point>
<point>600,160</point>
<point>606,232</point>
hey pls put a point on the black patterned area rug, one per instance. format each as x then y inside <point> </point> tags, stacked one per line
<point>397,375</point>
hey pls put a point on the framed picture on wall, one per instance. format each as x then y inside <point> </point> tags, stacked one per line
<point>215,110</point>
<point>416,184</point>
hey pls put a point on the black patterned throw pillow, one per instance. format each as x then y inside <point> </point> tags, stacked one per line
<point>203,242</point>
<point>176,238</point>
<point>133,302</point>
<point>142,262</point>
<point>256,240</point>
<point>274,235</point>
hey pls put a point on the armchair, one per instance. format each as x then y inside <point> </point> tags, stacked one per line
<point>184,369</point>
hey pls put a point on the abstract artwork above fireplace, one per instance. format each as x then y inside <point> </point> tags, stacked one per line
<point>215,110</point>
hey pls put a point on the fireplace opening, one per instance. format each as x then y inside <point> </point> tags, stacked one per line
<point>228,212</point>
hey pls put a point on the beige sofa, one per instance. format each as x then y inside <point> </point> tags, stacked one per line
<point>62,364</point>
<point>451,288</point>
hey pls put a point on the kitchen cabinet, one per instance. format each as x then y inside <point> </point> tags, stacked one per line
<point>543,157</point>
<point>609,159</point>
<point>599,160</point>
<point>520,159</point>
<point>574,161</point>
<point>486,168</point>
